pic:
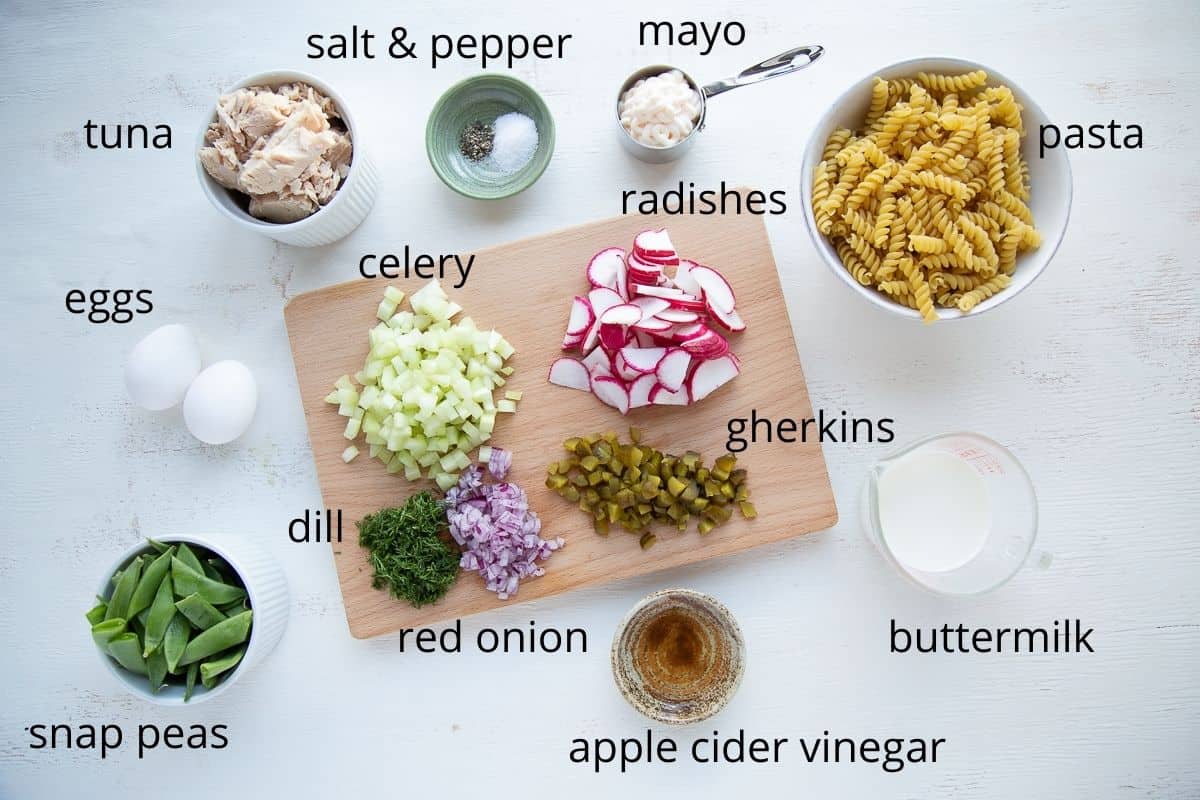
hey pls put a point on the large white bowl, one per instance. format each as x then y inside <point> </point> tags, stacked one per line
<point>1050,181</point>
<point>268,591</point>
<point>342,214</point>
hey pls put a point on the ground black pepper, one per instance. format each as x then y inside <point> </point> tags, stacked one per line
<point>476,141</point>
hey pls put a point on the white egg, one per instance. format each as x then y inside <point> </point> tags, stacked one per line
<point>161,367</point>
<point>220,403</point>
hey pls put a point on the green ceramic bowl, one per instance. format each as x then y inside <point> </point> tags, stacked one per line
<point>483,98</point>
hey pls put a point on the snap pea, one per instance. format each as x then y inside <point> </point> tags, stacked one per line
<point>96,615</point>
<point>156,666</point>
<point>211,669</point>
<point>160,616</point>
<point>211,572</point>
<point>193,670</point>
<point>223,635</point>
<point>227,575</point>
<point>116,578</point>
<point>147,585</point>
<point>235,606</point>
<point>107,630</point>
<point>175,640</point>
<point>199,611</point>
<point>118,604</point>
<point>189,557</point>
<point>157,545</point>
<point>127,650</point>
<point>190,581</point>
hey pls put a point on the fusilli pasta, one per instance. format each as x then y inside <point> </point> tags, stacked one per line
<point>927,201</point>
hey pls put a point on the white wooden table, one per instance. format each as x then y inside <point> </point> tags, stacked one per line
<point>1091,377</point>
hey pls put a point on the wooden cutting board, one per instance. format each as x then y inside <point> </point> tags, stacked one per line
<point>524,290</point>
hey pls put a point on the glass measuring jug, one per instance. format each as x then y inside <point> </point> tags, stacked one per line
<point>955,513</point>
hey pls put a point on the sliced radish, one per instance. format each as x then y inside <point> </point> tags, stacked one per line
<point>651,306</point>
<point>611,392</point>
<point>731,321</point>
<point>637,264</point>
<point>675,316</point>
<point>708,345</point>
<point>602,268</point>
<point>581,317</point>
<point>612,337</point>
<point>662,396</point>
<point>685,332</point>
<point>571,341</point>
<point>687,303</point>
<point>672,369</point>
<point>667,292</point>
<point>717,291</point>
<point>592,338</point>
<point>645,338</point>
<point>602,299</point>
<point>710,376</point>
<point>597,363</point>
<point>622,281</point>
<point>653,324</point>
<point>623,370</point>
<point>656,244</point>
<point>622,314</point>
<point>570,373</point>
<point>683,278</point>
<point>643,359</point>
<point>639,391</point>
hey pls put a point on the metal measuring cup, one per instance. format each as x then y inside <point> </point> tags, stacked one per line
<point>773,67</point>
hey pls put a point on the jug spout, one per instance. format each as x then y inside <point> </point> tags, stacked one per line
<point>875,472</point>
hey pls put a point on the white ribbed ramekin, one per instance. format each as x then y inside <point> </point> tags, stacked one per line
<point>349,206</point>
<point>268,591</point>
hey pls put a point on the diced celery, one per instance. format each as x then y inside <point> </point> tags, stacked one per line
<point>485,454</point>
<point>348,455</point>
<point>424,398</point>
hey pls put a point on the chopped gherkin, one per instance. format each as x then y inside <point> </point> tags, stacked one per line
<point>632,486</point>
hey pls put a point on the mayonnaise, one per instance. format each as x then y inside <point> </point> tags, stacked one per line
<point>660,111</point>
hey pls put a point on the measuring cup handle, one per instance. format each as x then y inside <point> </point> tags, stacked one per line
<point>773,67</point>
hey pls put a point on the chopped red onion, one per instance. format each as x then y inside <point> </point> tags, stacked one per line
<point>494,523</point>
<point>499,463</point>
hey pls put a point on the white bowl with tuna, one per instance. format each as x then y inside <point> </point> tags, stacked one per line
<point>282,156</point>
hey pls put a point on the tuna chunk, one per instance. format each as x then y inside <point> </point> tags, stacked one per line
<point>279,208</point>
